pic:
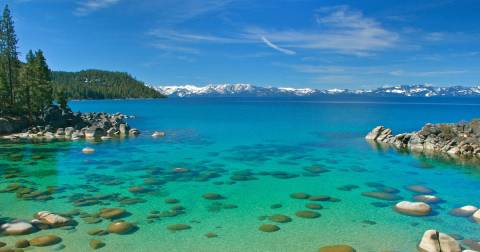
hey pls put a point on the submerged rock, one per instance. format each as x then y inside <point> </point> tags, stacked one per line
<point>178,227</point>
<point>476,216</point>
<point>427,198</point>
<point>22,244</point>
<point>269,228</point>
<point>382,195</point>
<point>46,240</point>
<point>464,211</point>
<point>17,228</point>
<point>213,196</point>
<point>88,150</point>
<point>299,195</point>
<point>413,208</point>
<point>337,248</point>
<point>280,218</point>
<point>158,134</point>
<point>96,244</point>
<point>434,241</point>
<point>420,189</point>
<point>51,219</point>
<point>120,227</point>
<point>112,213</point>
<point>307,214</point>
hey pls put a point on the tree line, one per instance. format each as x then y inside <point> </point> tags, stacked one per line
<point>98,84</point>
<point>25,87</point>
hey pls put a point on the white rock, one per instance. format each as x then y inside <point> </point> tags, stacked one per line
<point>427,198</point>
<point>105,138</point>
<point>52,219</point>
<point>476,216</point>
<point>464,211</point>
<point>17,228</point>
<point>88,150</point>
<point>158,134</point>
<point>413,208</point>
<point>431,240</point>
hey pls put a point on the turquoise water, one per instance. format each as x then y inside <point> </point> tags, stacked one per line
<point>269,143</point>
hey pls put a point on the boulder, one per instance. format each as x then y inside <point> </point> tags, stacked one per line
<point>476,216</point>
<point>413,208</point>
<point>46,240</point>
<point>17,228</point>
<point>51,219</point>
<point>464,211</point>
<point>134,132</point>
<point>88,150</point>
<point>69,131</point>
<point>94,133</point>
<point>373,135</point>
<point>123,128</point>
<point>434,241</point>
<point>158,134</point>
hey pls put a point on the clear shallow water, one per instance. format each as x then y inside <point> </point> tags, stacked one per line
<point>274,139</point>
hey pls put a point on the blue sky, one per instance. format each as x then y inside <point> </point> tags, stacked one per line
<point>320,44</point>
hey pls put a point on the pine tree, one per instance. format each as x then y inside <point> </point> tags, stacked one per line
<point>43,91</point>
<point>9,57</point>
<point>27,85</point>
<point>61,98</point>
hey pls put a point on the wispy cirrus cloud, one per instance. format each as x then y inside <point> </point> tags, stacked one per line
<point>340,30</point>
<point>426,73</point>
<point>86,7</point>
<point>275,47</point>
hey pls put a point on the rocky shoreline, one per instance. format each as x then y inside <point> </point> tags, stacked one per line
<point>63,124</point>
<point>456,140</point>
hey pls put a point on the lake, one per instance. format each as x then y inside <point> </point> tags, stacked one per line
<point>254,153</point>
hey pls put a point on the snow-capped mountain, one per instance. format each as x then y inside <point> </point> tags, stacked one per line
<point>249,90</point>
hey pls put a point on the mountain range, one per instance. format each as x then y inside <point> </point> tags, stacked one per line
<point>249,90</point>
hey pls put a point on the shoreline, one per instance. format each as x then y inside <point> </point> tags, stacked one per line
<point>457,141</point>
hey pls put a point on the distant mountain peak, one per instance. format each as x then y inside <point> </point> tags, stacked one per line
<point>249,90</point>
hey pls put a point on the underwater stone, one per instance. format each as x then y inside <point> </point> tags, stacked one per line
<point>307,214</point>
<point>17,228</point>
<point>382,195</point>
<point>137,189</point>
<point>319,198</point>
<point>276,206</point>
<point>171,201</point>
<point>46,240</point>
<point>299,195</point>
<point>337,248</point>
<point>280,218</point>
<point>314,206</point>
<point>178,227</point>
<point>413,208</point>
<point>211,235</point>
<point>96,244</point>
<point>269,228</point>
<point>427,198</point>
<point>464,211</point>
<point>22,244</point>
<point>120,227</point>
<point>476,216</point>
<point>213,196</point>
<point>88,150</point>
<point>112,213</point>
<point>420,189</point>
<point>52,219</point>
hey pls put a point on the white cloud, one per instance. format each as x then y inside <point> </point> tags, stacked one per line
<point>273,46</point>
<point>340,30</point>
<point>86,7</point>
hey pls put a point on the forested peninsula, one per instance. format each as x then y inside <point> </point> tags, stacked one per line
<point>34,99</point>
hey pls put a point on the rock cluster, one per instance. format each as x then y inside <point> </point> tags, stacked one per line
<point>457,140</point>
<point>58,123</point>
